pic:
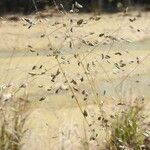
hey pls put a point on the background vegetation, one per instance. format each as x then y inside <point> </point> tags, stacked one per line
<point>27,6</point>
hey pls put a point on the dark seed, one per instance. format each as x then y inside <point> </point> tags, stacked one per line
<point>42,99</point>
<point>34,67</point>
<point>102,34</point>
<point>75,89</point>
<point>43,35</point>
<point>79,22</point>
<point>107,57</point>
<point>73,81</point>
<point>83,92</point>
<point>99,118</point>
<point>102,56</point>
<point>104,93</point>
<point>85,98</point>
<point>81,79</point>
<point>32,50</point>
<point>57,91</point>
<point>41,67</point>
<point>138,61</point>
<point>118,53</point>
<point>85,114</point>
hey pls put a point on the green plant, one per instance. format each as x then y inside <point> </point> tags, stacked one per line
<point>127,132</point>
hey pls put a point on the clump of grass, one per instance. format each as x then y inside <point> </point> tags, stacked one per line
<point>12,120</point>
<point>127,129</point>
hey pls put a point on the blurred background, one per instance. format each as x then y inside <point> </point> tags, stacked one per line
<point>27,6</point>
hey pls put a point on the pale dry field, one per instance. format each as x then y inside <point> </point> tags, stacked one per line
<point>55,121</point>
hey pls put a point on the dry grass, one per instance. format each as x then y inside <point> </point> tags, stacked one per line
<point>126,131</point>
<point>12,120</point>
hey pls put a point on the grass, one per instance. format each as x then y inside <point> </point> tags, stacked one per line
<point>12,119</point>
<point>127,129</point>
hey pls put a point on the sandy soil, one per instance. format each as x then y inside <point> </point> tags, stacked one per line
<point>54,30</point>
<point>56,122</point>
